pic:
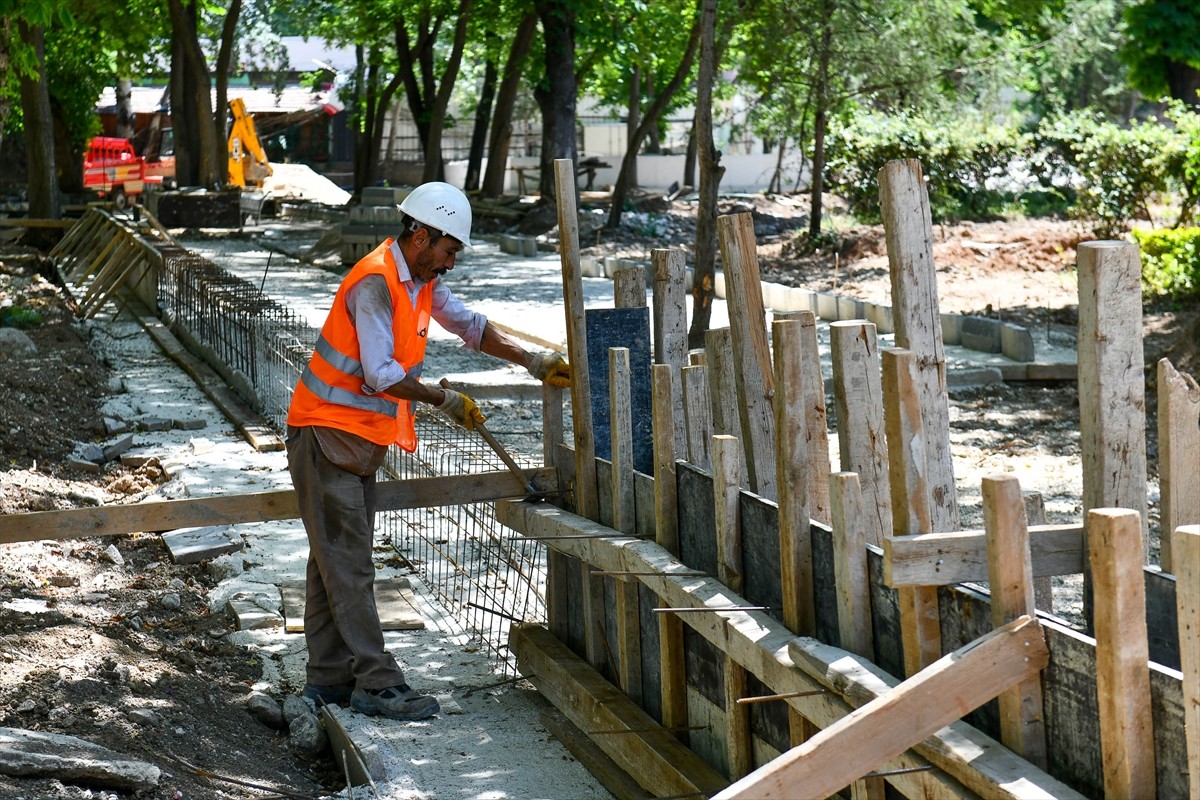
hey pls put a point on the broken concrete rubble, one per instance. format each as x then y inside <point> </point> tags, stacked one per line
<point>34,753</point>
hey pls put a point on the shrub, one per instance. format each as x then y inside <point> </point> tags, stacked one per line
<point>1170,262</point>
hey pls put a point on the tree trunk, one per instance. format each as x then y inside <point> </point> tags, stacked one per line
<point>68,159</point>
<point>652,114</point>
<point>689,160</point>
<point>483,113</point>
<point>632,142</point>
<point>44,202</point>
<point>210,168</point>
<point>1184,82</point>
<point>359,104</point>
<point>493,178</point>
<point>711,172</point>
<point>558,106</point>
<point>820,117</point>
<point>224,59</point>
<point>124,129</point>
<point>437,121</point>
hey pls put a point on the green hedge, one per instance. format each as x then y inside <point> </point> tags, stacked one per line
<point>1170,262</point>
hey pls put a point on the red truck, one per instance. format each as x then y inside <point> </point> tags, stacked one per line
<point>112,169</point>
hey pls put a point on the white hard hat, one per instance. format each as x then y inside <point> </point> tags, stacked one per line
<point>441,206</point>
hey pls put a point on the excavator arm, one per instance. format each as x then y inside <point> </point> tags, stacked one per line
<point>248,164</point>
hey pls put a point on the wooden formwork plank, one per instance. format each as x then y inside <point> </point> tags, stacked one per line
<point>792,464</point>
<point>908,229</point>
<point>752,355</point>
<point>648,752</point>
<point>666,499</point>
<point>816,419</point>
<point>850,565</point>
<point>722,387</point>
<point>1178,446</point>
<point>1010,579</point>
<point>673,665</point>
<point>1035,514</point>
<point>1122,652</point>
<point>942,559</point>
<point>670,325</point>
<point>965,756</point>
<point>586,500</point>
<point>862,439</point>
<point>69,241</point>
<point>228,509</point>
<point>629,287</point>
<point>1187,598</point>
<point>920,628</point>
<point>629,627</point>
<point>697,415</point>
<point>727,481</point>
<point>1112,393</point>
<point>891,724</point>
<point>71,253</point>
<point>621,428</point>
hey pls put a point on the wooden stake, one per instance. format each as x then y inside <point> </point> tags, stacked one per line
<point>862,440</point>
<point>666,497</point>
<point>629,634</point>
<point>722,388</point>
<point>629,287</point>
<point>908,226</point>
<point>816,420</point>
<point>1035,514</point>
<point>586,498</point>
<point>850,565</point>
<point>1122,651</point>
<point>920,623</point>
<point>726,490</point>
<point>889,725</point>
<point>1010,579</point>
<point>673,666</point>
<point>1186,550</point>
<point>1178,455</point>
<point>791,459</point>
<point>624,512</point>
<point>752,356</point>
<point>697,413</point>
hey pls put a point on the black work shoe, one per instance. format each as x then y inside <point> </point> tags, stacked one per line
<point>394,702</point>
<point>337,694</point>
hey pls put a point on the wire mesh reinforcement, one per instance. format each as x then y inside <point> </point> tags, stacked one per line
<point>484,572</point>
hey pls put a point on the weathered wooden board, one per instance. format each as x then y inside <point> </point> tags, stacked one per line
<point>885,617</point>
<point>650,652</point>
<point>697,525</point>
<point>768,720</point>
<point>760,552</point>
<point>824,585</point>
<point>704,672</point>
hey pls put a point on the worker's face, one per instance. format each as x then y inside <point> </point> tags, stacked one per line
<point>433,259</point>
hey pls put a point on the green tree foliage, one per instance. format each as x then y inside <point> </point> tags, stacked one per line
<point>1162,48</point>
<point>1170,262</point>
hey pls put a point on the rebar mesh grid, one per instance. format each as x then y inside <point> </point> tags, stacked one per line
<point>487,574</point>
<point>484,572</point>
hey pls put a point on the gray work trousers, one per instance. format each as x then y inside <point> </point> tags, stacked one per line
<point>341,623</point>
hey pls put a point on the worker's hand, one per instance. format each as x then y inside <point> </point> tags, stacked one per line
<point>551,368</point>
<point>461,409</point>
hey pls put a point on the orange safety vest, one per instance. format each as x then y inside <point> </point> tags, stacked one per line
<point>330,393</point>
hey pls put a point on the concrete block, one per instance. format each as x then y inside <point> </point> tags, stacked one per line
<point>1016,342</point>
<point>153,424</point>
<point>113,426</point>
<point>250,615</point>
<point>850,308</point>
<point>529,246</point>
<point>973,376</point>
<point>827,306</point>
<point>83,465</point>
<point>193,545</point>
<point>803,299</point>
<point>980,334</point>
<point>589,267</point>
<point>881,317</point>
<point>689,278</point>
<point>952,328</point>
<point>115,447</point>
<point>773,295</point>
<point>719,285</point>
<point>189,424</point>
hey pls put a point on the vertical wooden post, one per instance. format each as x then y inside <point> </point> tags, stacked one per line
<point>557,601</point>
<point>629,287</point>
<point>621,422</point>
<point>853,588</point>
<point>791,461</point>
<point>722,388</point>
<point>1186,548</point>
<point>726,490</point>
<point>920,623</point>
<point>586,499</point>
<point>1010,579</point>
<point>752,356</point>
<point>1178,459</point>
<point>1122,651</point>
<point>666,499</point>
<point>908,228</point>
<point>1035,514</point>
<point>670,324</point>
<point>816,420</point>
<point>727,482</point>
<point>697,414</point>
<point>862,441</point>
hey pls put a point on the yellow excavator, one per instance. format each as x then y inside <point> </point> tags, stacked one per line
<point>248,164</point>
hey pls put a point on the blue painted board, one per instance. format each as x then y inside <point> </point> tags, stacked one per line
<point>621,327</point>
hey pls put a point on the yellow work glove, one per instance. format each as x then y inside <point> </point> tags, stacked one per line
<point>461,409</point>
<point>551,368</point>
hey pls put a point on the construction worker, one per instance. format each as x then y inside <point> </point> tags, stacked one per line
<point>353,401</point>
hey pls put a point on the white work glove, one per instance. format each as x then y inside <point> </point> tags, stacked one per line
<point>462,410</point>
<point>552,369</point>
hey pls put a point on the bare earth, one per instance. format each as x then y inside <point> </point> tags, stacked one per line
<point>82,644</point>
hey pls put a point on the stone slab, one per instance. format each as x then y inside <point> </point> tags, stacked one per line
<point>70,759</point>
<point>394,599</point>
<point>193,545</point>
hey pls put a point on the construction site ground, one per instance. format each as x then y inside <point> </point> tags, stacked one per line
<point>87,637</point>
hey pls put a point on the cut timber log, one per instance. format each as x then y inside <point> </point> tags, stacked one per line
<point>1178,446</point>
<point>648,752</point>
<point>1187,598</point>
<point>970,761</point>
<point>81,523</point>
<point>890,724</point>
